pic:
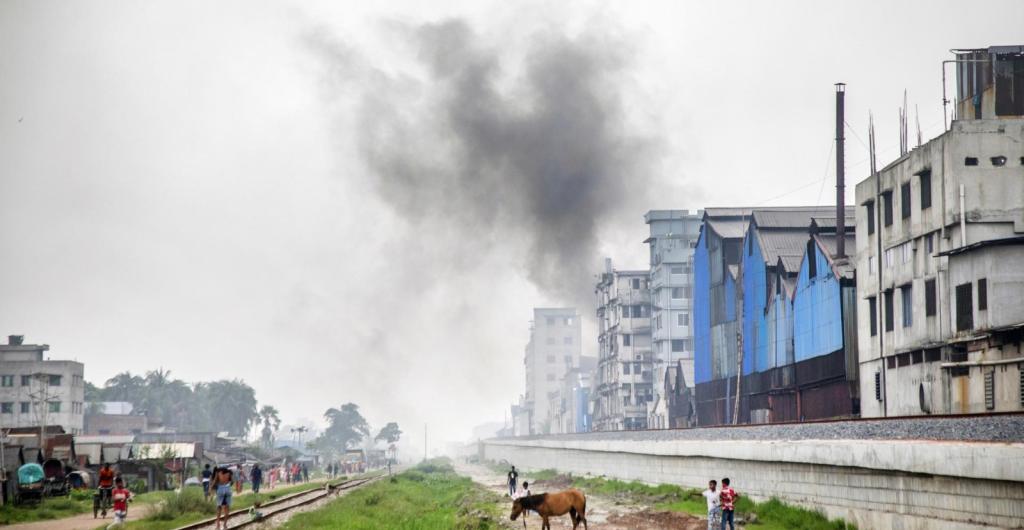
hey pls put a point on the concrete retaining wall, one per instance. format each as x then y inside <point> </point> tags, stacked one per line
<point>903,485</point>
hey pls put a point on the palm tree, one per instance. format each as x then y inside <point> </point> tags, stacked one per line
<point>271,423</point>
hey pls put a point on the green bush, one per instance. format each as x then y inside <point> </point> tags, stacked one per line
<point>82,495</point>
<point>189,501</point>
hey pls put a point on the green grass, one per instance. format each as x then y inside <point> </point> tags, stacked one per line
<point>48,509</point>
<point>428,497</point>
<point>770,515</point>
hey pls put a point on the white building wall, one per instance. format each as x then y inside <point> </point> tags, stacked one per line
<point>554,348</point>
<point>24,382</point>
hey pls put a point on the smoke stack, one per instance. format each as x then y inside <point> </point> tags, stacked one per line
<point>840,171</point>
<point>607,265</point>
<point>15,340</point>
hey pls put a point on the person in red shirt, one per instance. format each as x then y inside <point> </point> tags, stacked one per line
<point>728,498</point>
<point>121,496</point>
<point>106,484</point>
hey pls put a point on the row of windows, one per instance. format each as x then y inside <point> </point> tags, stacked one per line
<point>682,319</point>
<point>925,179</point>
<point>568,359</point>
<point>565,340</point>
<point>566,321</point>
<point>634,311</point>
<point>964,305</point>
<point>25,407</point>
<point>26,380</point>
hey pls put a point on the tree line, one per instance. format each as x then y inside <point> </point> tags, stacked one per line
<point>214,406</point>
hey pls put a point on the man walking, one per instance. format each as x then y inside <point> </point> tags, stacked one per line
<point>256,476</point>
<point>728,497</point>
<point>513,476</point>
<point>714,499</point>
<point>223,479</point>
<point>206,476</point>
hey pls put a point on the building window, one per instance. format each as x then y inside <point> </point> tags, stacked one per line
<point>878,386</point>
<point>890,259</point>
<point>888,310</point>
<point>907,301</point>
<point>873,315</point>
<point>905,200</point>
<point>929,297</point>
<point>964,308</point>
<point>683,319</point>
<point>568,321</point>
<point>971,161</point>
<point>568,359</point>
<point>872,263</point>
<point>6,380</point>
<point>929,244</point>
<point>677,270</point>
<point>26,380</point>
<point>625,400</point>
<point>7,407</point>
<point>869,208</point>
<point>625,368</point>
<point>982,294</point>
<point>567,341</point>
<point>551,377</point>
<point>550,341</point>
<point>638,311</point>
<point>926,188</point>
<point>680,345</point>
<point>636,283</point>
<point>550,321</point>
<point>908,252</point>
<point>627,339</point>
<point>679,293</point>
<point>25,407</point>
<point>54,380</point>
<point>54,406</point>
<point>887,208</point>
<point>551,358</point>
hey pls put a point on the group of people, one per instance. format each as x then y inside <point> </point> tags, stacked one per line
<point>514,491</point>
<point>112,489</point>
<point>721,505</point>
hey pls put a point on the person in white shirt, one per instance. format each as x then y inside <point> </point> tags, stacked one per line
<point>714,500</point>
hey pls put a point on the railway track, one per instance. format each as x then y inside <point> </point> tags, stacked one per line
<point>240,518</point>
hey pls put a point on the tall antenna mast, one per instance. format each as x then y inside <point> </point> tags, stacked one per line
<point>840,170</point>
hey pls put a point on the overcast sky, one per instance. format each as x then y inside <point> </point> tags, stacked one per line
<point>337,202</point>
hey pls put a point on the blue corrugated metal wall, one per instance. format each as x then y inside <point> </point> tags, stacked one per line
<point>701,312</point>
<point>818,322</point>
<point>755,323</point>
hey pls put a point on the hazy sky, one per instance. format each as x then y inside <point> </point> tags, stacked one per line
<point>338,202</point>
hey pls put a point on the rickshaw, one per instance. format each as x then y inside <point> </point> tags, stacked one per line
<point>30,484</point>
<point>56,483</point>
<point>79,480</point>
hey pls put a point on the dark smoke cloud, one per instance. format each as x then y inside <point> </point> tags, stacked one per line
<point>494,146</point>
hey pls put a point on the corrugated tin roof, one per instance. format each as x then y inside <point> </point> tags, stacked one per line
<point>776,243</point>
<point>104,438</point>
<point>790,217</point>
<point>728,228</point>
<point>727,212</point>
<point>828,243</point>
<point>830,222</point>
<point>144,451</point>
<point>791,264</point>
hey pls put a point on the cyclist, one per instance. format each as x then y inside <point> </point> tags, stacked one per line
<point>106,485</point>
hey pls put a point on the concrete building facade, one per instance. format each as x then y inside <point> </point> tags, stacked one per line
<point>673,237</point>
<point>552,351</point>
<point>625,369</point>
<point>940,242</point>
<point>35,391</point>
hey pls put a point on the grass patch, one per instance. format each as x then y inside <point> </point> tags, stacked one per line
<point>428,497</point>
<point>48,509</point>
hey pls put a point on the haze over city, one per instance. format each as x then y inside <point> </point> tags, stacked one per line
<point>350,203</point>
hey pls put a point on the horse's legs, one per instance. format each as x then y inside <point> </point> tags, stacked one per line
<point>545,523</point>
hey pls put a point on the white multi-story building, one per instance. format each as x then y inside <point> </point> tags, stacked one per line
<point>625,377</point>
<point>36,392</point>
<point>673,236</point>
<point>940,257</point>
<point>553,350</point>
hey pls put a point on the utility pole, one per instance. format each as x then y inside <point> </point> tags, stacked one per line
<point>424,441</point>
<point>840,171</point>
<point>739,376</point>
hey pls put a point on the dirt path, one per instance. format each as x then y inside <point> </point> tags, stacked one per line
<point>607,513</point>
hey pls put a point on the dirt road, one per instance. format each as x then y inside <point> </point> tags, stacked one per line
<point>607,513</point>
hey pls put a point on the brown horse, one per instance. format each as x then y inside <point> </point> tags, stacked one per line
<point>571,501</point>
